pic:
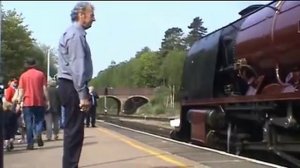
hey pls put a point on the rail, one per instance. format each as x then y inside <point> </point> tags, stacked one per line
<point>166,119</point>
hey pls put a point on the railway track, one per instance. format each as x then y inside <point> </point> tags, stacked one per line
<point>153,125</point>
<point>160,127</point>
<point>190,151</point>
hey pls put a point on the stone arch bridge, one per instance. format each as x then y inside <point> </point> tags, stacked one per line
<point>128,99</point>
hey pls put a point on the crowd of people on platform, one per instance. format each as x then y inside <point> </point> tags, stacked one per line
<point>32,107</point>
<point>34,99</point>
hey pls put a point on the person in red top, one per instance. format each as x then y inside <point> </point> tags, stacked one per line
<point>33,96</point>
<point>10,90</point>
<point>10,116</point>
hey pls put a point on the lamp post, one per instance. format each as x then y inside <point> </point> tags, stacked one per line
<point>105,103</point>
<point>107,92</point>
<point>48,64</point>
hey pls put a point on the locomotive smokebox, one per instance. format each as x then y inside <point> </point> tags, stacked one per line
<point>270,37</point>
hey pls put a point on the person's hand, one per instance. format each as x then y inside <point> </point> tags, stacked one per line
<point>84,105</point>
<point>19,107</point>
<point>47,105</point>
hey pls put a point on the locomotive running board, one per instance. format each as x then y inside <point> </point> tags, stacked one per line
<point>242,99</point>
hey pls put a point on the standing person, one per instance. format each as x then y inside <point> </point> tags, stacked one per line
<point>20,116</point>
<point>8,125</point>
<point>9,115</point>
<point>9,93</point>
<point>53,114</point>
<point>91,115</point>
<point>10,90</point>
<point>74,72</point>
<point>33,96</point>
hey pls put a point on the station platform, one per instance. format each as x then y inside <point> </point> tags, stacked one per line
<point>102,148</point>
<point>109,146</point>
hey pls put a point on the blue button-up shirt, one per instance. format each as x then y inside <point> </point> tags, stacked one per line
<point>74,59</point>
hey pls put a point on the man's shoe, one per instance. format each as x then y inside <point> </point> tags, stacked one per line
<point>11,146</point>
<point>7,148</point>
<point>40,141</point>
<point>93,126</point>
<point>30,147</point>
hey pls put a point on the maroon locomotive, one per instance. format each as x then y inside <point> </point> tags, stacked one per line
<point>240,84</point>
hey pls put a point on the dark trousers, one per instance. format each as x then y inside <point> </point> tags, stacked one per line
<point>73,124</point>
<point>91,116</point>
<point>10,125</point>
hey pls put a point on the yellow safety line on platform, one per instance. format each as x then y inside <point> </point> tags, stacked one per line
<point>150,151</point>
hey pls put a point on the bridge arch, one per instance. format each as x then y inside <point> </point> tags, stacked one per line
<point>133,103</point>
<point>119,102</point>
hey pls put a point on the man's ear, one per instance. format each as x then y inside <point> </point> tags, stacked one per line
<point>81,14</point>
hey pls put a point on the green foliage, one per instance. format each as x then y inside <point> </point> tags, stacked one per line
<point>142,71</point>
<point>111,104</point>
<point>156,69</point>
<point>153,68</point>
<point>144,50</point>
<point>172,67</point>
<point>158,105</point>
<point>146,70</point>
<point>160,95</point>
<point>173,40</point>
<point>17,45</point>
<point>197,31</point>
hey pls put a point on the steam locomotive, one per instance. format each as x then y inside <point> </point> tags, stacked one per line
<point>240,85</point>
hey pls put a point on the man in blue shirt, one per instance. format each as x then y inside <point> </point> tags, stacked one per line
<point>74,72</point>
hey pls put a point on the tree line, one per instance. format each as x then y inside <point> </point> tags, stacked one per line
<point>154,69</point>
<point>17,44</point>
<point>147,68</point>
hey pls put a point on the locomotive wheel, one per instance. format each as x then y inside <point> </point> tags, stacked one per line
<point>213,140</point>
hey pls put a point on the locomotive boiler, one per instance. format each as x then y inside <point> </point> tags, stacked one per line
<point>240,85</point>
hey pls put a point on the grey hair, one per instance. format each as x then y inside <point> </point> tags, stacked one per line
<point>80,6</point>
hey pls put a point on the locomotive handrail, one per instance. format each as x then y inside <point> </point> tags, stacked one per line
<point>242,99</point>
<point>278,77</point>
<point>274,8</point>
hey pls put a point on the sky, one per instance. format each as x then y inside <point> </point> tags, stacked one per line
<point>124,27</point>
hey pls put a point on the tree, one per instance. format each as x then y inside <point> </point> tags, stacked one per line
<point>146,70</point>
<point>173,40</point>
<point>172,72</point>
<point>197,32</point>
<point>112,63</point>
<point>17,44</point>
<point>143,50</point>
